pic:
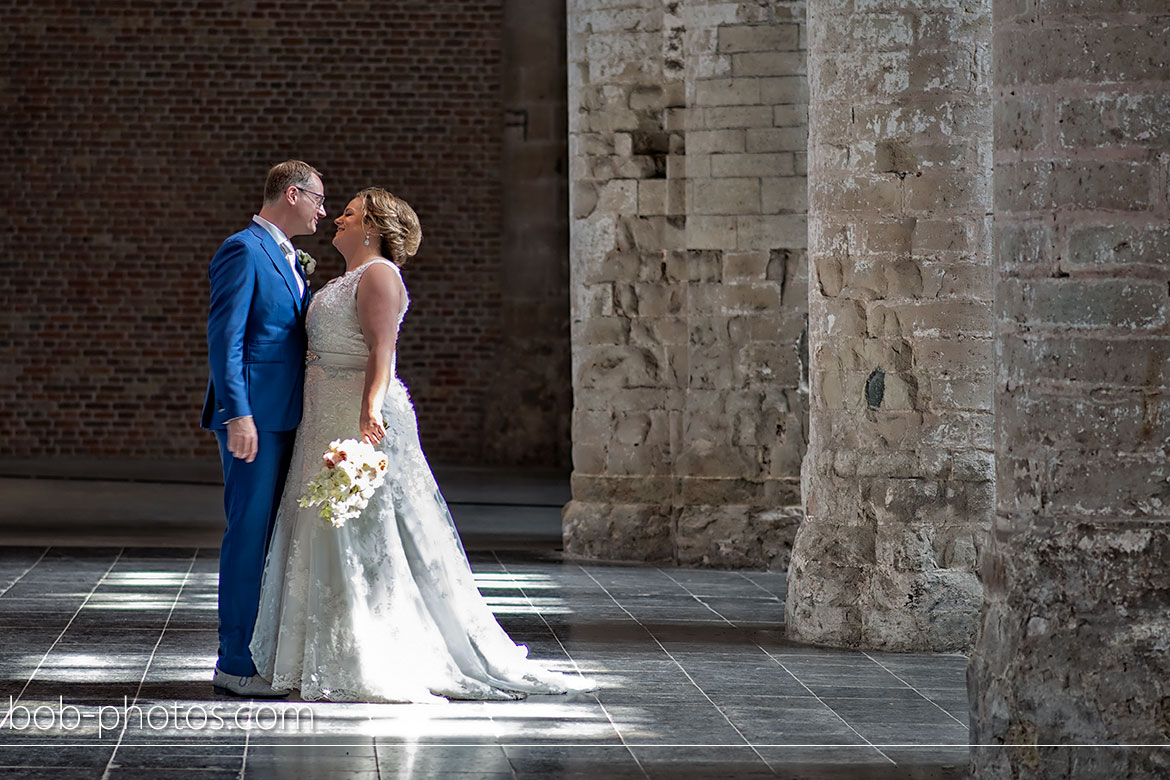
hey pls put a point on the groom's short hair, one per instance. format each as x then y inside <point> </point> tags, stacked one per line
<point>290,173</point>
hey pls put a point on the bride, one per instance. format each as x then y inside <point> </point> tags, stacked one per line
<point>384,608</point>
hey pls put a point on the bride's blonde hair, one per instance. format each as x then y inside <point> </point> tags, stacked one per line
<point>394,221</point>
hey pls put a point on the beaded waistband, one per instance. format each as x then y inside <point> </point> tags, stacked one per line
<point>336,359</point>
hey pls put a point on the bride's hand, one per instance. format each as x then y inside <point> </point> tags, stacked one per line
<point>372,429</point>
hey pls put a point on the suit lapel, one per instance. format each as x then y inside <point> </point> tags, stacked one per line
<point>279,262</point>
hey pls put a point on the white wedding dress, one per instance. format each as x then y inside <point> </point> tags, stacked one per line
<point>386,607</point>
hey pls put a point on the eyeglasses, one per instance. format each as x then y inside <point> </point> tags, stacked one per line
<point>320,196</point>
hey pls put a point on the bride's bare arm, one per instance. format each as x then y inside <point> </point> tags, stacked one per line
<point>379,301</point>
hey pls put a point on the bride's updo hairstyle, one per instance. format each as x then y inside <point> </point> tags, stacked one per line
<point>391,218</point>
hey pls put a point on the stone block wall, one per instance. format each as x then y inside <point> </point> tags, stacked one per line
<point>688,257</point>
<point>898,483</point>
<point>1073,643</point>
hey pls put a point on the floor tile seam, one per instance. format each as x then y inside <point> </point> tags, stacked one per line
<point>746,578</point>
<point>500,745</point>
<point>568,655</point>
<point>66,628</point>
<point>244,756</point>
<point>642,626</point>
<point>146,669</point>
<point>616,730</point>
<point>826,705</point>
<point>691,593</point>
<point>12,584</point>
<point>690,679</point>
<point>524,593</point>
<point>920,693</point>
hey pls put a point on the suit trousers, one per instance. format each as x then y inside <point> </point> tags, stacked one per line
<point>251,496</point>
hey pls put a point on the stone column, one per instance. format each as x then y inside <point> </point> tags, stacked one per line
<point>898,484</point>
<point>624,379</point>
<point>1075,639</point>
<point>687,137</point>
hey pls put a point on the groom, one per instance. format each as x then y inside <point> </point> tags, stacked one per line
<point>256,348</point>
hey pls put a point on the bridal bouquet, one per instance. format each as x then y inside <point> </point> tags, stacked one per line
<point>352,471</point>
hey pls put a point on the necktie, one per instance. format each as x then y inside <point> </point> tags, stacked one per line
<point>290,254</point>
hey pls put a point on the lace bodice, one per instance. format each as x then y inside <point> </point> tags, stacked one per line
<point>332,323</point>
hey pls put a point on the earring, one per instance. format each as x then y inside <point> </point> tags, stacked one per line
<point>367,239</point>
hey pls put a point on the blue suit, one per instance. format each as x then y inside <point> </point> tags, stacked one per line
<point>256,351</point>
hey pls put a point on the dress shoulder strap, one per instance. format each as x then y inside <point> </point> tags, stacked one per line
<point>360,272</point>
<point>384,261</point>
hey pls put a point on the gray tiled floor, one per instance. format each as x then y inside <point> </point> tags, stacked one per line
<point>698,681</point>
<point>697,677</point>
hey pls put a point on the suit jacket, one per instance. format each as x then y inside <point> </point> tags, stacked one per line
<point>255,335</point>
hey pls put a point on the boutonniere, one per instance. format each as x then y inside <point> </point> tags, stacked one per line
<point>307,263</point>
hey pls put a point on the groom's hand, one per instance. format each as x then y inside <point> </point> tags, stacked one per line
<point>243,441</point>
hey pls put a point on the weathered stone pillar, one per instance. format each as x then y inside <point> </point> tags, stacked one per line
<point>687,138</point>
<point>1075,639</point>
<point>898,484</point>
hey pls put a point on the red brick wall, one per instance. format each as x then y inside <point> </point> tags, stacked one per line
<point>137,135</point>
